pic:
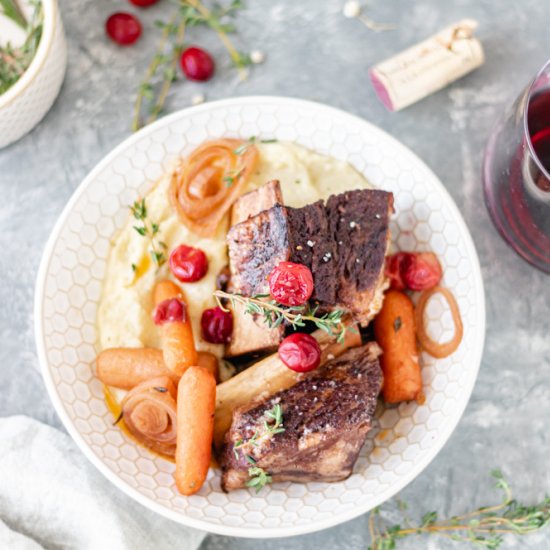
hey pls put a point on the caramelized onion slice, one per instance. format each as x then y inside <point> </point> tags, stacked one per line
<point>149,412</point>
<point>206,184</point>
<point>434,348</point>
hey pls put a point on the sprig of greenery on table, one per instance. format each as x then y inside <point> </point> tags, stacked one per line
<point>485,527</point>
<point>152,93</point>
<point>274,314</point>
<point>14,61</point>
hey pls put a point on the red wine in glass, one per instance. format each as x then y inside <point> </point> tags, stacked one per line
<point>516,173</point>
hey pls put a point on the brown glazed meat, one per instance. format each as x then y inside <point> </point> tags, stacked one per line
<point>251,334</point>
<point>326,418</point>
<point>344,243</point>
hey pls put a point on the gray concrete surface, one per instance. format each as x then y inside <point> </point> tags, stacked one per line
<point>314,52</point>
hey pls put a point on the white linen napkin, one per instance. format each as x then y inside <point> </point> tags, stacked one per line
<point>52,497</point>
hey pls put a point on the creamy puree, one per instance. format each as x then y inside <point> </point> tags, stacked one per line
<point>124,318</point>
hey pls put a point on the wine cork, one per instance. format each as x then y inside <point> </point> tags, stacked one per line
<point>428,66</point>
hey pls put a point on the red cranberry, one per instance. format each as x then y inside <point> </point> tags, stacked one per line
<point>143,3</point>
<point>422,271</point>
<point>394,270</point>
<point>291,284</point>
<point>170,311</point>
<point>123,28</point>
<point>188,264</point>
<point>217,325</point>
<point>413,270</point>
<point>300,352</point>
<point>197,64</point>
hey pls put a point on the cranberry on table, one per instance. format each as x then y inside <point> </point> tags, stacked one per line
<point>197,64</point>
<point>143,3</point>
<point>170,311</point>
<point>291,284</point>
<point>123,28</point>
<point>300,352</point>
<point>188,264</point>
<point>217,325</point>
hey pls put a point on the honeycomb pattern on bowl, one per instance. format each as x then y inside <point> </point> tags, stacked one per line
<point>405,437</point>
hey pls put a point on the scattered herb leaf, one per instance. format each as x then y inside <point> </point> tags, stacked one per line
<point>397,324</point>
<point>485,527</point>
<point>149,230</point>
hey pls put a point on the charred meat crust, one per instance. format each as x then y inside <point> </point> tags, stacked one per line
<point>326,418</point>
<point>343,243</point>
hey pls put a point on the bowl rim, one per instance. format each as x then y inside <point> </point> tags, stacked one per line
<point>48,33</point>
<point>198,523</point>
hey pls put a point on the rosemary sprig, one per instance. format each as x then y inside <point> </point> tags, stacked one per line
<point>275,314</point>
<point>146,228</point>
<point>485,527</point>
<point>14,61</point>
<point>189,13</point>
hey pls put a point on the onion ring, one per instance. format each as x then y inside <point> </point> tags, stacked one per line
<point>149,413</point>
<point>206,184</point>
<point>435,349</point>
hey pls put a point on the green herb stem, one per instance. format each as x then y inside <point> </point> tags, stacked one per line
<point>275,314</point>
<point>483,527</point>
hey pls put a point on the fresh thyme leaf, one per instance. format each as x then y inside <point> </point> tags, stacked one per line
<point>259,478</point>
<point>274,314</point>
<point>483,527</point>
<point>272,140</point>
<point>250,459</point>
<point>160,389</point>
<point>149,230</point>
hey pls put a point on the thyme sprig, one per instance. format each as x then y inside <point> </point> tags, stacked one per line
<point>275,314</point>
<point>149,229</point>
<point>14,61</point>
<point>272,425</point>
<point>162,70</point>
<point>485,527</point>
<point>259,478</point>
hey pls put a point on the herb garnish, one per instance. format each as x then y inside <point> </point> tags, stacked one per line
<point>252,140</point>
<point>273,424</point>
<point>259,478</point>
<point>483,527</point>
<point>14,61</point>
<point>147,228</point>
<point>275,314</point>
<point>161,72</point>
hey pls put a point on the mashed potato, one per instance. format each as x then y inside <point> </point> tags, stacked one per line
<point>124,318</point>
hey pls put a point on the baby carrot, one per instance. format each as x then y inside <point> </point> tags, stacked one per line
<point>195,428</point>
<point>178,345</point>
<point>394,330</point>
<point>125,368</point>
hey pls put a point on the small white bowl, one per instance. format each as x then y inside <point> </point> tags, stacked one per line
<point>24,105</point>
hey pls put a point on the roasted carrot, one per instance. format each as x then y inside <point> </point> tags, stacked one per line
<point>178,345</point>
<point>125,368</point>
<point>394,330</point>
<point>195,428</point>
<point>210,362</point>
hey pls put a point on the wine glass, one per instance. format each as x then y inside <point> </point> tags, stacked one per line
<point>516,173</point>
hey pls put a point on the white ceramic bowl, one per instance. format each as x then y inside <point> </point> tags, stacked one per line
<point>24,105</point>
<point>405,438</point>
